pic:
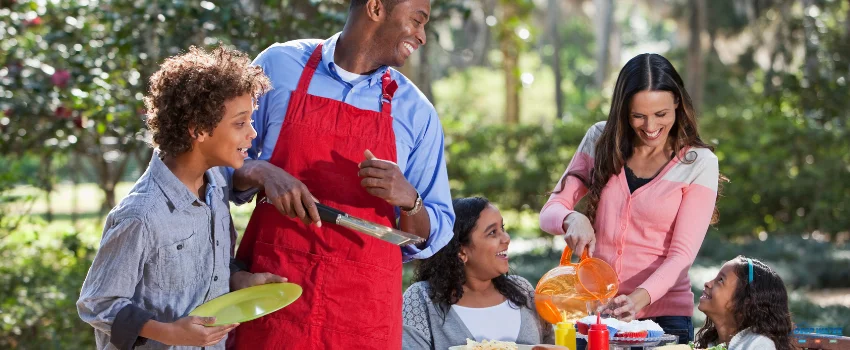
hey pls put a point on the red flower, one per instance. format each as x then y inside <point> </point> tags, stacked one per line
<point>78,122</point>
<point>33,22</point>
<point>60,78</point>
<point>63,112</point>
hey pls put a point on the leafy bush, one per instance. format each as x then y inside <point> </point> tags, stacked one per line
<point>802,263</point>
<point>39,286</point>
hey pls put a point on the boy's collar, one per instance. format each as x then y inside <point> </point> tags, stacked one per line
<point>177,192</point>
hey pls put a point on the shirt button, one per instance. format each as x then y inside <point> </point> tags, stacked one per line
<point>216,243</point>
<point>620,252</point>
<point>179,246</point>
<point>215,279</point>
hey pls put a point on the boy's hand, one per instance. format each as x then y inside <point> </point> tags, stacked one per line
<point>245,279</point>
<point>191,331</point>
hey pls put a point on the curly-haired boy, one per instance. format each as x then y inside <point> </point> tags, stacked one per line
<point>167,247</point>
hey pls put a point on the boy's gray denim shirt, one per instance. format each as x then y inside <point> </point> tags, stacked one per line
<point>163,253</point>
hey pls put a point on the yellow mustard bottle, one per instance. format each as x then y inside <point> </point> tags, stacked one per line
<point>565,335</point>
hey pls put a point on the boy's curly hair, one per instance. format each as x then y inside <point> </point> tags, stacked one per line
<point>190,90</point>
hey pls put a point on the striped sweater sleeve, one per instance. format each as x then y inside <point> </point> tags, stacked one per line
<point>692,222</point>
<point>563,199</point>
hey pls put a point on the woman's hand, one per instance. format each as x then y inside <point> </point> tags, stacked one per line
<point>626,307</point>
<point>579,233</point>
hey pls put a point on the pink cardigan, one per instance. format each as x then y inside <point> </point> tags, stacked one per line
<point>651,236</point>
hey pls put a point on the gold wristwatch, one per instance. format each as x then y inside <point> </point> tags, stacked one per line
<point>417,206</point>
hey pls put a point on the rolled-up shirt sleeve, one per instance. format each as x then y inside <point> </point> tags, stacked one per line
<point>426,170</point>
<point>105,299</point>
<point>236,196</point>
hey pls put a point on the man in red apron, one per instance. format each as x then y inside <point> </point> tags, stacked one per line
<point>343,128</point>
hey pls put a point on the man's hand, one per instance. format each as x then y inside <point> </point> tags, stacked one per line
<point>191,331</point>
<point>383,179</point>
<point>290,196</point>
<point>245,279</point>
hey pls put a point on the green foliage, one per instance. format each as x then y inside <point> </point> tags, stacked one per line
<point>803,263</point>
<point>809,315</point>
<point>515,166</point>
<point>783,135</point>
<point>39,286</point>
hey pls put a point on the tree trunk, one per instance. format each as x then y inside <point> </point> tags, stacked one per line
<point>847,20</point>
<point>509,66</point>
<point>75,179</point>
<point>46,184</point>
<point>615,42</point>
<point>424,72</point>
<point>605,13</point>
<point>109,174</point>
<point>108,199</point>
<point>810,30</point>
<point>696,63</point>
<point>810,67</point>
<point>510,63</point>
<point>554,8</point>
<point>143,157</point>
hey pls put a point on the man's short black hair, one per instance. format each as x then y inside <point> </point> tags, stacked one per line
<point>388,3</point>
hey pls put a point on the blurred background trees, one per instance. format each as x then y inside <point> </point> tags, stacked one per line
<point>516,84</point>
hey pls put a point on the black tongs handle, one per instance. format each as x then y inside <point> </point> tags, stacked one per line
<point>329,214</point>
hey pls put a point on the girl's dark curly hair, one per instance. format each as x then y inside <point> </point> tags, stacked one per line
<point>444,271</point>
<point>189,91</point>
<point>760,305</point>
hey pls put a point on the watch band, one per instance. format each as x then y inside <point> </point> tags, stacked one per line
<point>417,206</point>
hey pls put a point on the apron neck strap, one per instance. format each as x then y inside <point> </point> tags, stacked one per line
<point>388,85</point>
<point>307,74</point>
<point>388,88</point>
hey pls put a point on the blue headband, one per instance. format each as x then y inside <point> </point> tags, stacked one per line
<point>750,264</point>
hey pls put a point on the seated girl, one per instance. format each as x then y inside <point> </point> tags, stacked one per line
<point>465,292</point>
<point>746,307</point>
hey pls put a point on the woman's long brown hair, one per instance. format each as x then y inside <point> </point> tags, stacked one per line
<point>645,72</point>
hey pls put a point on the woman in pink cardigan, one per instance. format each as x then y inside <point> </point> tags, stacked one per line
<point>651,184</point>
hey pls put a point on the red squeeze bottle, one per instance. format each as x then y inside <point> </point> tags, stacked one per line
<point>597,336</point>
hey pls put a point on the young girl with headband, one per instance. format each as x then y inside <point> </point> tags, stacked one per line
<point>746,307</point>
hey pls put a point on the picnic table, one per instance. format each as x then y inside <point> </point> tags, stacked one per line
<point>822,341</point>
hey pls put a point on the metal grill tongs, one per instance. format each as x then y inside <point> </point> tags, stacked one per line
<point>388,234</point>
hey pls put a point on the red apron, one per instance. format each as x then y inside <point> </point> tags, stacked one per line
<point>352,282</point>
